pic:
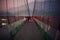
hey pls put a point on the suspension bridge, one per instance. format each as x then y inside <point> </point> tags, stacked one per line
<point>29,20</point>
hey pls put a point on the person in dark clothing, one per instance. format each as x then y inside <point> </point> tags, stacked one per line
<point>28,18</point>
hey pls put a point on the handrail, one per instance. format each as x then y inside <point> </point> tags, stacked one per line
<point>46,36</point>
<point>12,34</point>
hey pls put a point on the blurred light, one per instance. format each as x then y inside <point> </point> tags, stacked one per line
<point>4,24</point>
<point>49,27</point>
<point>3,19</point>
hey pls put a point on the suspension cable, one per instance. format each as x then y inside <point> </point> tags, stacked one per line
<point>18,9</point>
<point>34,7</point>
<point>28,7</point>
<point>14,10</point>
<point>7,11</point>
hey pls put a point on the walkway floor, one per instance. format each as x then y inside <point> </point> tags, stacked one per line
<point>29,32</point>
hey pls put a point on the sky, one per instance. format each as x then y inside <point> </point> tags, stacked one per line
<point>17,3</point>
<point>10,4</point>
<point>22,5</point>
